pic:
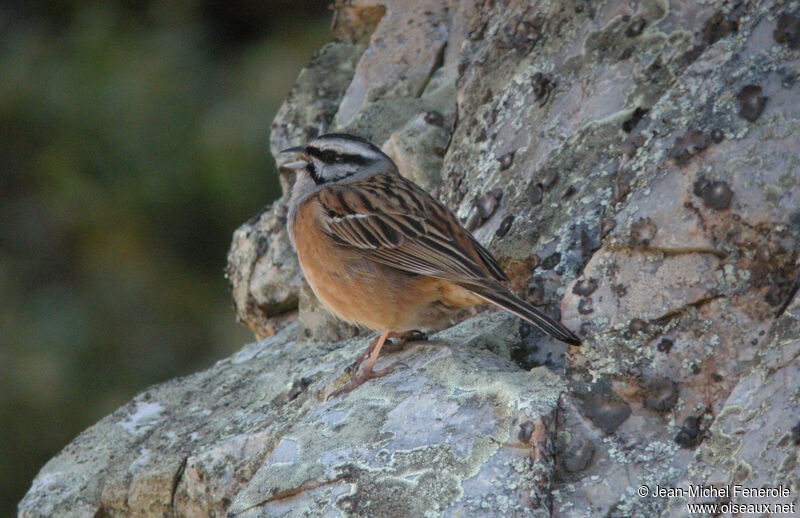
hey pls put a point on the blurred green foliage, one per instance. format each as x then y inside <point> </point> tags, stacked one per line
<point>133,141</point>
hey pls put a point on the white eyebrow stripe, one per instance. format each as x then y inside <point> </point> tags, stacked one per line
<point>346,147</point>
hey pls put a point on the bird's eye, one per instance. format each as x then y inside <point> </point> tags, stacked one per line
<point>329,156</point>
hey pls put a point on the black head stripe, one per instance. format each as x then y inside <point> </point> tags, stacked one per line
<point>312,171</point>
<point>330,157</point>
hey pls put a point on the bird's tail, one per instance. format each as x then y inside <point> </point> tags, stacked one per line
<point>500,295</point>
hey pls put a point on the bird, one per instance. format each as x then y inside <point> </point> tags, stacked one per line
<point>380,252</point>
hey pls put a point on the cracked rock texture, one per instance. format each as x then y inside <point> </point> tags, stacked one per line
<point>635,168</point>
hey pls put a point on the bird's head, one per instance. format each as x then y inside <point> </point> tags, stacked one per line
<point>336,157</point>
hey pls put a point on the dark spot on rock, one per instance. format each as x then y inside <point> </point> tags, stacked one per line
<point>548,178</point>
<point>608,225</point>
<point>590,242</point>
<point>788,77</point>
<point>262,245</point>
<point>506,160</point>
<point>637,325</point>
<point>692,143</point>
<point>536,194</point>
<point>477,30</point>
<point>536,292</point>
<point>585,287</point>
<point>473,221</point>
<point>620,290</point>
<point>632,143</point>
<point>434,118</point>
<point>622,186</point>
<point>694,368</point>
<point>751,102</point>
<point>636,27</point>
<point>773,296</point>
<point>585,328</point>
<point>505,226</point>
<point>521,34</point>
<point>604,408</point>
<point>488,96</point>
<point>487,204</point>
<point>643,231</point>
<point>715,195</point>
<point>626,53</point>
<point>633,120</point>
<point>690,433</point>
<point>717,27</point>
<point>716,377</point>
<point>568,192</point>
<point>439,151</point>
<point>578,459</point>
<point>662,394</point>
<point>542,85</point>
<point>796,433</point>
<point>551,261</point>
<point>753,342</point>
<point>526,431</point>
<point>524,329</point>
<point>656,72</point>
<point>788,31</point>
<point>665,345</point>
<point>298,387</point>
<point>700,186</point>
<point>717,135</point>
<point>585,306</point>
<point>691,55</point>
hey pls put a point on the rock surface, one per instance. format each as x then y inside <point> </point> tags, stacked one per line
<point>636,164</point>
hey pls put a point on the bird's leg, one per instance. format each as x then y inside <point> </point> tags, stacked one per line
<point>405,337</point>
<point>368,372</point>
<point>373,351</point>
<point>368,352</point>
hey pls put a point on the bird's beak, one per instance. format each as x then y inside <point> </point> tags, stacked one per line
<point>299,161</point>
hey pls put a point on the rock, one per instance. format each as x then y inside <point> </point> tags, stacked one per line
<point>263,271</point>
<point>241,439</point>
<point>262,268</point>
<point>677,264</point>
<point>405,50</point>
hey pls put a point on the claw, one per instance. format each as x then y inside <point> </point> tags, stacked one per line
<point>368,374</point>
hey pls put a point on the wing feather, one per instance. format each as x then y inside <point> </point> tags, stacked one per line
<point>392,221</point>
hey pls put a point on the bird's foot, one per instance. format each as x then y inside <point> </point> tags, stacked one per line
<point>405,339</point>
<point>366,354</point>
<point>358,379</point>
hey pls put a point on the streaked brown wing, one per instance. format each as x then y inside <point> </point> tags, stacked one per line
<point>395,222</point>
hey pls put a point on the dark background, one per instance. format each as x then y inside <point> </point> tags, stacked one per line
<point>133,141</point>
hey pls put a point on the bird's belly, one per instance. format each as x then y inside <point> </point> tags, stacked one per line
<point>364,292</point>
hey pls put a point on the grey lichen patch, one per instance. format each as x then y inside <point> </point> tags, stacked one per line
<point>378,437</point>
<point>315,97</point>
<point>263,271</point>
